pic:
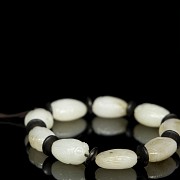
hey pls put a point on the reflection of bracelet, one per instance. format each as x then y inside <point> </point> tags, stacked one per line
<point>62,171</point>
<point>72,151</point>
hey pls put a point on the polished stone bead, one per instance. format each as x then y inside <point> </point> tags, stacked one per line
<point>173,135</point>
<point>160,148</point>
<point>70,151</point>
<point>34,123</point>
<point>143,156</point>
<point>116,159</point>
<point>109,107</point>
<point>68,109</point>
<point>150,114</point>
<point>92,155</point>
<point>171,124</point>
<point>37,136</point>
<point>47,144</point>
<point>169,116</point>
<point>130,108</point>
<point>41,114</point>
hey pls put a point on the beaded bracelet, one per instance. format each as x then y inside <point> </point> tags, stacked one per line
<point>39,121</point>
<point>116,132</point>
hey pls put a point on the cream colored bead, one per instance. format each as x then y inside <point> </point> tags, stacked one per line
<point>42,114</point>
<point>160,148</point>
<point>116,159</point>
<point>37,136</point>
<point>150,114</point>
<point>70,151</point>
<point>109,107</point>
<point>68,109</point>
<point>170,124</point>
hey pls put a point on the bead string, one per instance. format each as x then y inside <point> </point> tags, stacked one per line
<point>59,170</point>
<point>39,121</point>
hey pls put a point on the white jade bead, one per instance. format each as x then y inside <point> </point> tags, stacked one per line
<point>109,107</point>
<point>68,109</point>
<point>41,114</point>
<point>160,148</point>
<point>116,159</point>
<point>37,136</point>
<point>70,151</point>
<point>170,124</point>
<point>150,114</point>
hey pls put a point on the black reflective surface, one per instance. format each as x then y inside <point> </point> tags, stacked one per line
<point>18,159</point>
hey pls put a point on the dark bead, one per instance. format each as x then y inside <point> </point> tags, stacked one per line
<point>130,108</point>
<point>169,116</point>
<point>46,167</point>
<point>47,144</point>
<point>129,130</point>
<point>173,135</point>
<point>143,156</point>
<point>92,155</point>
<point>89,105</point>
<point>33,123</point>
<point>49,107</point>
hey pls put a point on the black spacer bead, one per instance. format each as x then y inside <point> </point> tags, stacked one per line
<point>46,167</point>
<point>49,107</point>
<point>33,123</point>
<point>143,156</point>
<point>169,116</point>
<point>92,155</point>
<point>47,144</point>
<point>89,105</point>
<point>130,108</point>
<point>173,135</point>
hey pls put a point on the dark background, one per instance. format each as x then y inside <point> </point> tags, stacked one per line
<point>130,54</point>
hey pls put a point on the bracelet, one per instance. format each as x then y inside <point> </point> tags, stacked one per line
<point>39,123</point>
<point>114,132</point>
